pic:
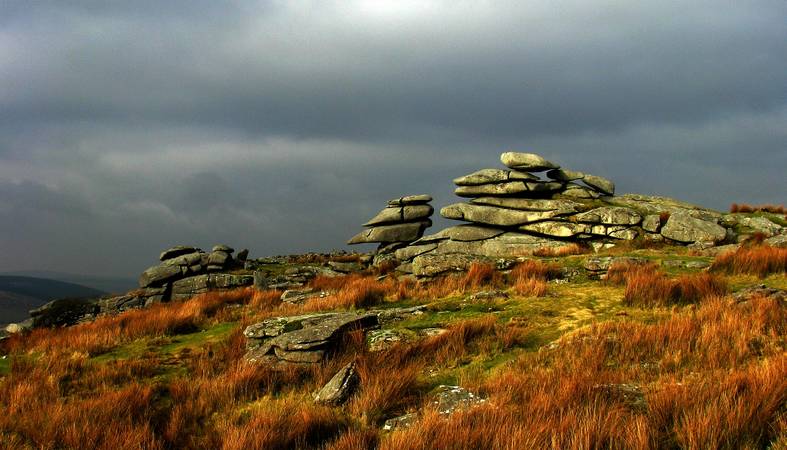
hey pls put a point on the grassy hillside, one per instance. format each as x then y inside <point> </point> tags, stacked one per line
<point>658,355</point>
<point>19,294</point>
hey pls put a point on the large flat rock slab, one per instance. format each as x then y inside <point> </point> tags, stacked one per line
<point>493,215</point>
<point>684,228</point>
<point>404,232</point>
<point>302,339</point>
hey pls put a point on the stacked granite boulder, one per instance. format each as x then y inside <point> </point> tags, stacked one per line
<point>534,204</point>
<point>401,222</point>
<point>187,271</point>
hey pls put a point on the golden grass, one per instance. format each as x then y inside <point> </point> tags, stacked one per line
<point>760,260</point>
<point>647,285</point>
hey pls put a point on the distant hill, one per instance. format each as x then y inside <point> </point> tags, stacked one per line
<point>19,294</point>
<point>114,285</point>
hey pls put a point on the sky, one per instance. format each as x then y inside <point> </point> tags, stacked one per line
<point>281,126</point>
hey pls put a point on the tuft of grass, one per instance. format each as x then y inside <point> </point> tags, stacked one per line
<point>760,260</point>
<point>647,285</point>
<point>744,208</point>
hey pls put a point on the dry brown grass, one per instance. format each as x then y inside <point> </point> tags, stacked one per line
<point>709,387</point>
<point>529,278</point>
<point>760,260</point>
<point>744,208</point>
<point>647,285</point>
<point>108,332</point>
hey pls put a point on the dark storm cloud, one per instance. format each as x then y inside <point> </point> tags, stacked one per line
<point>282,125</point>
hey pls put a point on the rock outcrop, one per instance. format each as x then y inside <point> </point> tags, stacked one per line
<point>534,204</point>
<point>400,223</point>
<point>302,339</point>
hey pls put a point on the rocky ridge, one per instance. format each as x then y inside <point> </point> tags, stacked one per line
<point>534,204</point>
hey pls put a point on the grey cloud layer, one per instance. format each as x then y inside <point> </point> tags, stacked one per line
<point>282,125</point>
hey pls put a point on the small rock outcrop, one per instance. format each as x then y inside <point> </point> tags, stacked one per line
<point>398,224</point>
<point>302,339</point>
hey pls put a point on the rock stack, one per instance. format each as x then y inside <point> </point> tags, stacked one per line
<point>534,204</point>
<point>187,271</point>
<point>401,222</point>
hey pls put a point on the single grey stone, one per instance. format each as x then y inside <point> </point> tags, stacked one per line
<point>462,233</point>
<point>450,399</point>
<point>345,267</point>
<point>186,260</point>
<point>222,248</point>
<point>379,340</point>
<point>760,224</point>
<point>410,200</point>
<point>218,258</point>
<point>411,251</point>
<point>176,251</point>
<point>507,245</point>
<point>340,387</point>
<point>157,275</point>
<point>298,296</point>
<point>565,175</point>
<point>610,215</point>
<point>507,188</point>
<point>777,241</point>
<point>492,215</point>
<point>575,191</point>
<point>529,162</point>
<point>242,255</point>
<point>651,223</point>
<point>400,422</point>
<point>400,214</point>
<point>260,280</point>
<point>405,232</point>
<point>561,206</point>
<point>600,184</point>
<point>557,229</point>
<point>684,228</point>
<point>628,234</point>
<point>432,264</point>
<point>491,176</point>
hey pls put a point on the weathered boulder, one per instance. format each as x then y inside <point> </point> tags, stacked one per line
<point>575,191</point>
<point>527,204</point>
<point>756,224</point>
<point>64,312</point>
<point>506,245</point>
<point>565,175</point>
<point>432,264</point>
<point>218,258</point>
<point>222,248</point>
<point>176,251</point>
<point>411,251</point>
<point>687,229</point>
<point>399,214</point>
<point>492,215</point>
<point>557,229</point>
<point>510,188</point>
<point>242,255</point>
<point>301,339</point>
<point>404,232</point>
<point>490,176</point>
<point>464,233</point>
<point>651,223</point>
<point>777,241</point>
<point>610,215</point>
<point>600,184</point>
<point>340,387</point>
<point>158,275</point>
<point>410,200</point>
<point>345,267</point>
<point>529,162</point>
<point>186,288</point>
